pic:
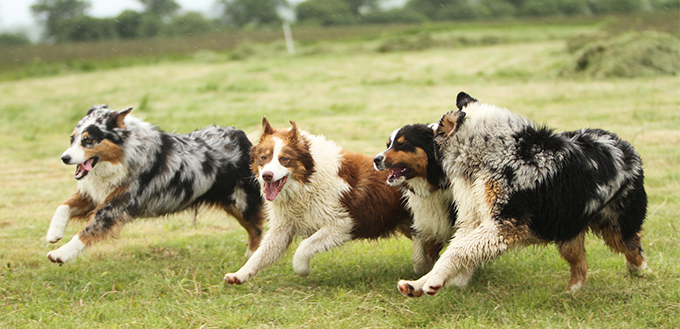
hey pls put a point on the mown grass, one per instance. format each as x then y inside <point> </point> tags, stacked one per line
<point>168,272</point>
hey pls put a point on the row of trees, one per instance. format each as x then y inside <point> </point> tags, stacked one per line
<point>66,20</point>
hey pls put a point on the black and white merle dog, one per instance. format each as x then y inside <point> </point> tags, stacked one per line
<point>517,184</point>
<point>412,158</point>
<point>127,168</point>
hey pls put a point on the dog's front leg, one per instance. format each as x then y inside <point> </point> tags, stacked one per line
<point>106,220</point>
<point>77,205</point>
<point>273,245</point>
<point>464,254</point>
<point>328,237</point>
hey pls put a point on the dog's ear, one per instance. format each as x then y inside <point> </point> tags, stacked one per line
<point>294,131</point>
<point>463,100</point>
<point>96,107</point>
<point>117,119</point>
<point>267,128</point>
<point>120,119</point>
<point>450,122</point>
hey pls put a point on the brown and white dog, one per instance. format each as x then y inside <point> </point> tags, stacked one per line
<point>412,158</point>
<point>318,191</point>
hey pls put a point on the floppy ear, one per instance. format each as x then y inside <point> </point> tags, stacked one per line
<point>294,132</point>
<point>463,100</point>
<point>450,122</point>
<point>267,128</point>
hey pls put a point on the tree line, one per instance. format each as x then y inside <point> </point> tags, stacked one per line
<point>67,20</point>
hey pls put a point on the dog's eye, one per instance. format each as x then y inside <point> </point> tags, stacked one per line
<point>264,157</point>
<point>283,159</point>
<point>87,140</point>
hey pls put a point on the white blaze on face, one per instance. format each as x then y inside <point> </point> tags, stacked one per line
<point>392,137</point>
<point>75,152</point>
<point>279,173</point>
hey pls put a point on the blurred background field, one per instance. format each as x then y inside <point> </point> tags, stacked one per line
<point>354,84</point>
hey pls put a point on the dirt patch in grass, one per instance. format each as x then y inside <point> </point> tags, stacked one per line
<point>633,54</point>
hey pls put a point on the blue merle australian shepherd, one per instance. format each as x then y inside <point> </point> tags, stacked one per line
<point>515,183</point>
<point>127,168</point>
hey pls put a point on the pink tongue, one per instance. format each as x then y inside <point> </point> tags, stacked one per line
<point>271,190</point>
<point>88,164</point>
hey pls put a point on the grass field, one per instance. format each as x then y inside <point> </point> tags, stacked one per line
<point>168,273</point>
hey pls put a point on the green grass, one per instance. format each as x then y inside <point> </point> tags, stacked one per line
<point>168,273</point>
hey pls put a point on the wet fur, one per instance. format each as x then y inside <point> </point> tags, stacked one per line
<point>141,171</point>
<point>518,184</point>
<point>329,196</point>
<point>426,189</point>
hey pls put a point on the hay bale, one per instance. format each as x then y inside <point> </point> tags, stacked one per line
<point>633,54</point>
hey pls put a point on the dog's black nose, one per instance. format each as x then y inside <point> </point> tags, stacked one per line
<point>378,158</point>
<point>66,159</point>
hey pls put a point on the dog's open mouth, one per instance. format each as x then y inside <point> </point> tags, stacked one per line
<point>82,169</point>
<point>272,189</point>
<point>396,174</point>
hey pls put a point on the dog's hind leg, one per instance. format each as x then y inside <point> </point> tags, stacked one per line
<point>631,248</point>
<point>76,206</point>
<point>575,253</point>
<point>253,224</point>
<point>425,254</point>
<point>326,238</point>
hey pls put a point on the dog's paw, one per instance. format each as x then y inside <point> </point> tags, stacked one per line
<point>433,285</point>
<point>59,256</point>
<point>235,278</point>
<point>302,268</point>
<point>407,288</point>
<point>53,237</point>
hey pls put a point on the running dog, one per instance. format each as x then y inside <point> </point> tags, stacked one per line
<point>127,168</point>
<point>412,159</point>
<point>518,184</point>
<point>317,190</point>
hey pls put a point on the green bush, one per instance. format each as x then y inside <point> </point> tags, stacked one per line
<point>616,6</point>
<point>128,24</point>
<point>325,12</point>
<point>86,28</point>
<point>499,8</point>
<point>151,25</point>
<point>189,23</point>
<point>539,8</point>
<point>462,10</point>
<point>394,16</point>
<point>13,39</point>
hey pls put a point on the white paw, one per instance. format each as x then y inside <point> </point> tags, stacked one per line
<point>410,288</point>
<point>636,269</point>
<point>301,267</point>
<point>235,278</point>
<point>67,252</point>
<point>433,285</point>
<point>54,236</point>
<point>575,287</point>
